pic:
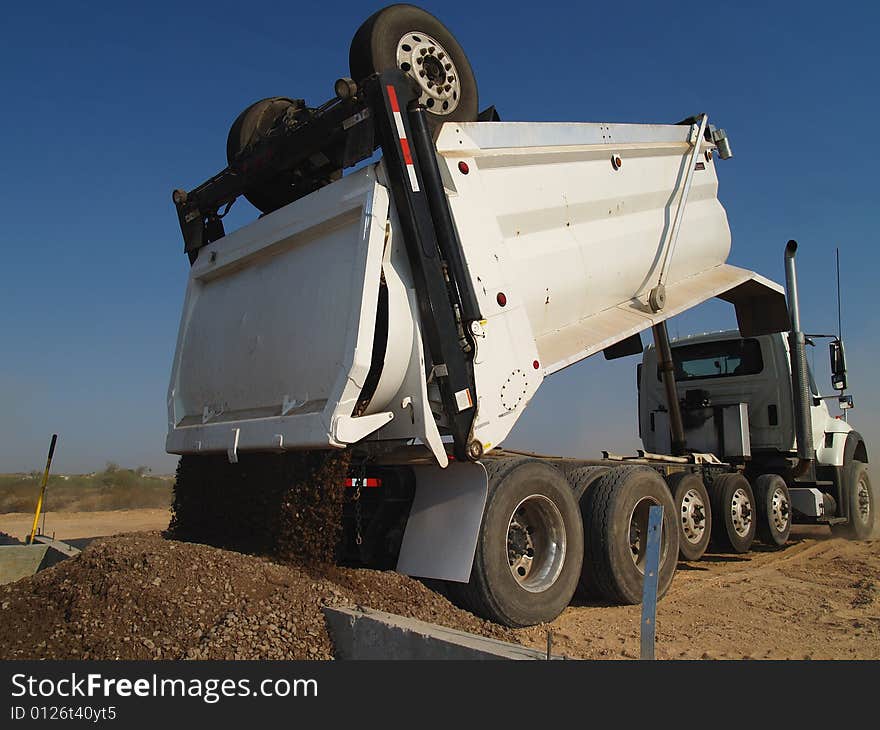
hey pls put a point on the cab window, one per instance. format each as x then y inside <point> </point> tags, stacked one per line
<point>720,359</point>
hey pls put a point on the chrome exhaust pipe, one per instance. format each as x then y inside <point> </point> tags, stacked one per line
<point>800,380</point>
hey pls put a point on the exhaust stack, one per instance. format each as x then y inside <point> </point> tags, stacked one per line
<point>800,381</point>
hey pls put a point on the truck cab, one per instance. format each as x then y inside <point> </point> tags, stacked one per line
<point>737,402</point>
<point>722,370</point>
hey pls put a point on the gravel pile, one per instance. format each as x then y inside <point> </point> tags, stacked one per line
<point>143,596</point>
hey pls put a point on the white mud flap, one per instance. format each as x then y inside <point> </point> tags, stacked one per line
<point>444,522</point>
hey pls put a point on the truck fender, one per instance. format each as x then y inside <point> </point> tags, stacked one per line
<point>845,446</point>
<point>855,449</point>
<point>444,521</point>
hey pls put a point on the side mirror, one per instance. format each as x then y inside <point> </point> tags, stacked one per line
<point>845,402</point>
<point>838,365</point>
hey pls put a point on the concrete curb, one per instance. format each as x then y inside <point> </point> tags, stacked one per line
<point>364,633</point>
<point>20,561</point>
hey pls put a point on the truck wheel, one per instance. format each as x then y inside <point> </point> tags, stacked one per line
<point>774,509</point>
<point>862,503</point>
<point>530,548</point>
<point>692,505</point>
<point>413,40</point>
<point>581,479</point>
<point>615,512</point>
<point>733,513</point>
<point>254,124</point>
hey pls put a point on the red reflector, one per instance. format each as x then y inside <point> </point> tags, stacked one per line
<point>536,364</point>
<point>463,167</point>
<point>351,483</point>
<point>501,299</point>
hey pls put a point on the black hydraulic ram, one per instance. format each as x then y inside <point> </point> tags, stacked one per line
<point>429,232</point>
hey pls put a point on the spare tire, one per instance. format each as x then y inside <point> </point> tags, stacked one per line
<point>260,120</point>
<point>413,40</point>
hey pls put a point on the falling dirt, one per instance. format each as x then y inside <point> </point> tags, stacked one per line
<point>288,505</point>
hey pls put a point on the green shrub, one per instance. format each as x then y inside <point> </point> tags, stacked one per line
<point>112,488</point>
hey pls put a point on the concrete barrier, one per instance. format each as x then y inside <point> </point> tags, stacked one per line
<point>364,633</point>
<point>20,561</point>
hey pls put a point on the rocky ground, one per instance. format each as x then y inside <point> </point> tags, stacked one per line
<point>143,596</point>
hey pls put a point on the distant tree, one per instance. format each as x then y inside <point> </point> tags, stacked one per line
<point>142,471</point>
<point>111,466</point>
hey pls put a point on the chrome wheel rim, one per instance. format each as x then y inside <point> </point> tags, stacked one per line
<point>424,59</point>
<point>638,531</point>
<point>780,510</point>
<point>536,543</point>
<point>741,512</point>
<point>693,516</point>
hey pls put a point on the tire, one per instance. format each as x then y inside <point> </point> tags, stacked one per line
<point>694,510</point>
<point>529,509</point>
<point>396,37</point>
<point>862,503</point>
<point>253,124</point>
<point>615,506</point>
<point>774,509</point>
<point>733,514</point>
<point>582,477</point>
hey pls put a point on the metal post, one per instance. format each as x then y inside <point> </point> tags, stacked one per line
<point>649,590</point>
<point>43,488</point>
<point>664,360</point>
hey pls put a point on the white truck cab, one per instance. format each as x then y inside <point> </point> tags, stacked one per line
<point>722,370</point>
<point>737,402</point>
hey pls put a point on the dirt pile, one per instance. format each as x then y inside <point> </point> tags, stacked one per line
<point>141,596</point>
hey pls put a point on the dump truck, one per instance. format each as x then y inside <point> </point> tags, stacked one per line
<point>406,306</point>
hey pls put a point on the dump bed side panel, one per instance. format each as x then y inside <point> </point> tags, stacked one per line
<point>564,229</point>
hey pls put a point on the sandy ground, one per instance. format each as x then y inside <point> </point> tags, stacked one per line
<point>818,598</point>
<point>71,525</point>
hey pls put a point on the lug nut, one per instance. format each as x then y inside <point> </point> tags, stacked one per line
<point>447,87</point>
<point>419,59</point>
<point>423,51</point>
<point>431,49</point>
<point>441,55</point>
<point>421,73</point>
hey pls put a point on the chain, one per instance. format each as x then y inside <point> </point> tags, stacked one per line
<point>360,479</point>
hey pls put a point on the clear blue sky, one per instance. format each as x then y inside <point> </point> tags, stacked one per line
<point>105,109</point>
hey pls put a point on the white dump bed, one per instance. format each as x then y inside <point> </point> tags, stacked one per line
<point>564,229</point>
<point>277,328</point>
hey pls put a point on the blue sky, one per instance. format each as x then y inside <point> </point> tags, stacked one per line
<point>107,108</point>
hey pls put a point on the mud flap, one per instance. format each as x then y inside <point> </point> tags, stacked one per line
<point>444,522</point>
